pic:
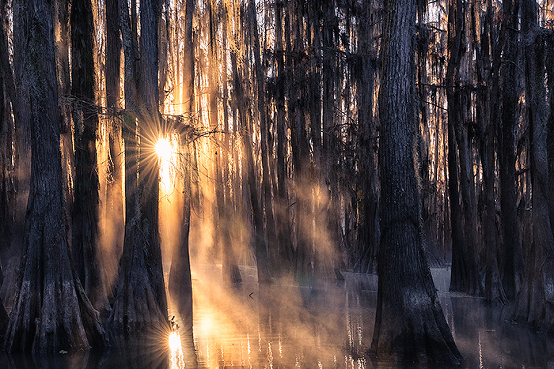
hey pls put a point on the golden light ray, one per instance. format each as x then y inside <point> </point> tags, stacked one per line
<point>166,150</point>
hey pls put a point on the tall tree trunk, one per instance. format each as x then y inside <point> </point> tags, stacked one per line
<point>488,109</point>
<point>6,155</point>
<point>113,217</point>
<point>409,322</point>
<point>51,311</point>
<point>550,122</point>
<point>22,155</point>
<point>230,267</point>
<point>267,200</point>
<point>85,245</point>
<point>140,302</point>
<point>465,271</point>
<point>535,300</point>
<point>286,251</point>
<point>368,230</point>
<point>180,279</point>
<point>260,247</point>
<point>507,159</point>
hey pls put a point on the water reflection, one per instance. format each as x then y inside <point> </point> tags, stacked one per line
<point>325,325</point>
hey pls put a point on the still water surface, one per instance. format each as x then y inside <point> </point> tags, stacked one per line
<point>317,325</point>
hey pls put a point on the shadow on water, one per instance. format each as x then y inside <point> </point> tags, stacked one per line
<point>325,325</point>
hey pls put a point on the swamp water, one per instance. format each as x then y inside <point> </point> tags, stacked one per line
<point>322,325</point>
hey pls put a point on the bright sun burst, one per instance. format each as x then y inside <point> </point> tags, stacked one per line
<point>174,341</point>
<point>163,149</point>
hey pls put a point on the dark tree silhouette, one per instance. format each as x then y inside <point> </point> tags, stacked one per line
<point>51,311</point>
<point>535,300</point>
<point>85,243</point>
<point>409,322</point>
<point>506,153</point>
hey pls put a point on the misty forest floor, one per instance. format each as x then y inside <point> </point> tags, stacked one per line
<point>319,324</point>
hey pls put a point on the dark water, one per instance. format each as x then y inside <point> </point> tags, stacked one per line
<point>317,325</point>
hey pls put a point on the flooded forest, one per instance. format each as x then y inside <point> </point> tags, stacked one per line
<point>276,183</point>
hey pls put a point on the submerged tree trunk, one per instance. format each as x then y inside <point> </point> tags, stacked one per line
<point>409,322</point>
<point>51,311</point>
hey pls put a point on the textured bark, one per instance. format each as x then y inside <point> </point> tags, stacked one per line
<point>51,311</point>
<point>409,322</point>
<point>6,153</point>
<point>140,304</point>
<point>7,96</point>
<point>488,111</point>
<point>22,145</point>
<point>85,246</point>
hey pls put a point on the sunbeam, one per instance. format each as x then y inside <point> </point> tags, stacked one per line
<point>166,150</point>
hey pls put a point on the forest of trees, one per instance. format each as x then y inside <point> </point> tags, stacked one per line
<point>309,138</point>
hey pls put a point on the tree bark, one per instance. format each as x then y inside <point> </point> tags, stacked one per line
<point>85,245</point>
<point>465,271</point>
<point>409,322</point>
<point>140,304</point>
<point>488,111</point>
<point>51,311</point>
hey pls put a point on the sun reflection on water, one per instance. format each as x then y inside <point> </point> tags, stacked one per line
<point>176,357</point>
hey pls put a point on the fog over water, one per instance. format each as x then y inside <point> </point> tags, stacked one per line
<point>320,324</point>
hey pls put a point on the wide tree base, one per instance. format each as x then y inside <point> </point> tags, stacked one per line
<point>420,335</point>
<point>62,319</point>
<point>136,314</point>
